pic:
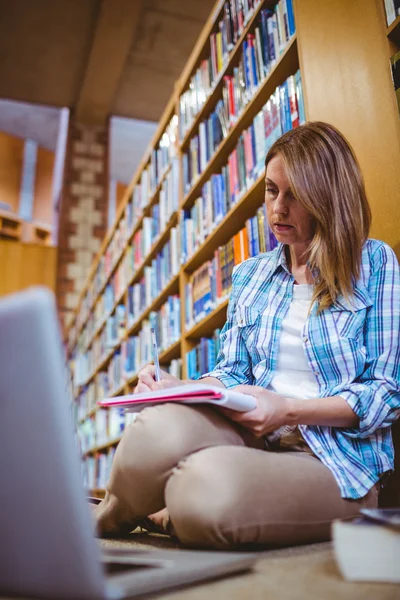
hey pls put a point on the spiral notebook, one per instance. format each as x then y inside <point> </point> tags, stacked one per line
<point>195,393</point>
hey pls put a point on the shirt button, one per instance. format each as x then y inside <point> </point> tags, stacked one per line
<point>305,340</point>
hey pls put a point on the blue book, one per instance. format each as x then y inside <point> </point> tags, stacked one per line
<point>272,51</point>
<point>247,77</point>
<point>214,196</point>
<point>183,218</point>
<point>300,99</point>
<point>290,14</point>
<point>264,40</point>
<point>254,236</point>
<point>253,151</point>
<point>254,62</point>
<point>221,182</point>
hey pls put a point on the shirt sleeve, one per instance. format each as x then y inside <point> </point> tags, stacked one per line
<point>375,396</point>
<point>233,366</point>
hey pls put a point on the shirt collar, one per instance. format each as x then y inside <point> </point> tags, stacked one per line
<point>280,258</point>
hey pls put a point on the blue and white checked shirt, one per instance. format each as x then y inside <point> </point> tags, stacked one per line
<point>354,352</point>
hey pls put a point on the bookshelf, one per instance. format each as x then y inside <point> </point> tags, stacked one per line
<point>361,106</point>
<point>10,226</point>
<point>393,32</point>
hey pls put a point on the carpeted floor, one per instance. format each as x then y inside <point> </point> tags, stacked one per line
<point>302,572</point>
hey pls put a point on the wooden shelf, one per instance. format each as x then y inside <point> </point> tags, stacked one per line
<point>171,353</point>
<point>229,226</point>
<point>165,357</point>
<point>155,249</point>
<point>96,493</point>
<point>103,363</point>
<point>10,226</point>
<point>104,446</point>
<point>171,288</point>
<point>90,414</point>
<point>103,323</point>
<point>118,390</point>
<point>288,63</point>
<point>207,326</point>
<point>218,85</point>
<point>135,228</point>
<point>42,234</point>
<point>393,32</point>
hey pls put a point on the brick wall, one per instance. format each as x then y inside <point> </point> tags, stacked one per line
<point>83,211</point>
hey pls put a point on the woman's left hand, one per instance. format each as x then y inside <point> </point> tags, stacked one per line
<point>271,412</point>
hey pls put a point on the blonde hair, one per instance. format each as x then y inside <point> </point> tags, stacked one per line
<point>325,177</point>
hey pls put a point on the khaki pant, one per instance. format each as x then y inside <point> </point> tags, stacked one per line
<point>221,490</point>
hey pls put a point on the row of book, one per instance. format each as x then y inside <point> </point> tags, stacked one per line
<point>104,307</point>
<point>128,354</point>
<point>110,336</point>
<point>283,111</point>
<point>260,51</point>
<point>245,164</point>
<point>163,154</point>
<point>234,18</point>
<point>96,470</point>
<point>211,283</point>
<point>161,212</point>
<point>208,286</point>
<point>167,204</point>
<point>168,198</point>
<point>107,424</point>
<point>86,401</point>
<point>156,276</point>
<point>141,245</point>
<point>202,358</point>
<point>137,350</point>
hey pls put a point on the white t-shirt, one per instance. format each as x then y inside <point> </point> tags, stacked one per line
<point>293,377</point>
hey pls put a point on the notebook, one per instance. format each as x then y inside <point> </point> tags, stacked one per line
<point>194,393</point>
<point>47,544</point>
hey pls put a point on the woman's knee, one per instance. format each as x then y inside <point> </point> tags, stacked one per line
<point>201,500</point>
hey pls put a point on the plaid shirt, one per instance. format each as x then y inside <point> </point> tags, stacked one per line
<point>353,351</point>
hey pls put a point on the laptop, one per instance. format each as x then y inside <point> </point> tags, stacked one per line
<point>47,534</point>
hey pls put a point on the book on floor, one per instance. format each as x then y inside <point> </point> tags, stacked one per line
<point>195,393</point>
<point>367,548</point>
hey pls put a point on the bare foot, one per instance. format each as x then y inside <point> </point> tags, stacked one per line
<point>161,518</point>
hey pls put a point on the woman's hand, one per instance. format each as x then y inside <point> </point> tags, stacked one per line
<point>271,412</point>
<point>147,380</point>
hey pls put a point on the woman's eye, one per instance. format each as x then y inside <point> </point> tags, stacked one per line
<point>271,190</point>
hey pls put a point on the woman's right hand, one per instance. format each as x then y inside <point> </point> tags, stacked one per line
<point>147,380</point>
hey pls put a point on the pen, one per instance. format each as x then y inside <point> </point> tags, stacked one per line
<point>155,354</point>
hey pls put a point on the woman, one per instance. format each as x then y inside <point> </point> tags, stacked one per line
<point>312,331</point>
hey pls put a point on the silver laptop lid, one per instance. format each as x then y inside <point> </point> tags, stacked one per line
<point>46,540</point>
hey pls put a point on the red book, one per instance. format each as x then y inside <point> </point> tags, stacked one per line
<point>294,107</point>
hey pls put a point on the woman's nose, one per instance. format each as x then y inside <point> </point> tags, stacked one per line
<point>280,206</point>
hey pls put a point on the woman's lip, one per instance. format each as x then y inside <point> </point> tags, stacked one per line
<point>283,226</point>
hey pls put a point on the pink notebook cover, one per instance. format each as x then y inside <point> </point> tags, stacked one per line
<point>131,400</point>
<point>187,394</point>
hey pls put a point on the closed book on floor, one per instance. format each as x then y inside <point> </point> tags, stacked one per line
<point>366,549</point>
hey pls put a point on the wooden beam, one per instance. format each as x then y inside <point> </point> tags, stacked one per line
<point>112,40</point>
